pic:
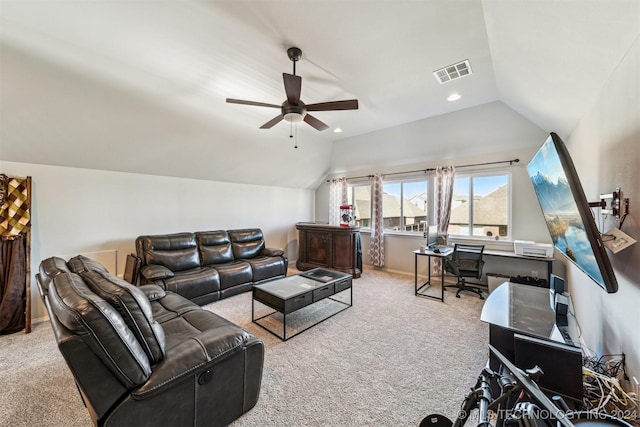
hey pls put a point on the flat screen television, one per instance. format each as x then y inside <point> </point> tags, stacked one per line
<point>567,212</point>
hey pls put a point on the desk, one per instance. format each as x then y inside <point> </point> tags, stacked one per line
<point>428,253</point>
<point>509,254</point>
<point>524,327</point>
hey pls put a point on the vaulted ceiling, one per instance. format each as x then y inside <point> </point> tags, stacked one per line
<point>140,86</point>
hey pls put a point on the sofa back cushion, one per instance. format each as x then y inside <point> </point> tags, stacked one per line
<point>214,247</point>
<point>80,263</point>
<point>135,309</point>
<point>177,251</point>
<point>100,326</point>
<point>49,269</point>
<point>246,243</point>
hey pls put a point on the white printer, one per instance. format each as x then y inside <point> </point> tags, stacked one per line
<point>530,248</point>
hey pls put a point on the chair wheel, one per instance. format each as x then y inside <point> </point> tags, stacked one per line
<point>481,297</point>
<point>457,296</point>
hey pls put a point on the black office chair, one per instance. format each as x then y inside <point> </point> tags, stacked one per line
<point>466,262</point>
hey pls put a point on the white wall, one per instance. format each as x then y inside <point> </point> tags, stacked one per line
<point>85,211</point>
<point>605,148</point>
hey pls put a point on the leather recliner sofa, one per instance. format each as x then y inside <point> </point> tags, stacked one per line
<point>144,356</point>
<point>209,265</point>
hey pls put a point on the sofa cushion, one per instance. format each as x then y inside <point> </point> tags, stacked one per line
<point>195,338</point>
<point>214,247</point>
<point>50,268</point>
<point>81,263</point>
<point>234,273</point>
<point>194,283</point>
<point>246,243</point>
<point>177,252</point>
<point>265,267</point>
<point>134,307</point>
<point>101,327</point>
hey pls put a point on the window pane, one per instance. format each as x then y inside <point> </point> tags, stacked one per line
<point>490,206</point>
<point>459,220</point>
<point>414,206</point>
<point>360,197</point>
<point>391,206</point>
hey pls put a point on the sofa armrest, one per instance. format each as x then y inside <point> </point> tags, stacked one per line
<point>272,252</point>
<point>153,292</point>
<point>156,272</point>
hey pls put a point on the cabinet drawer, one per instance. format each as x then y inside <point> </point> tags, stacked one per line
<point>343,284</point>
<point>297,303</point>
<point>323,292</point>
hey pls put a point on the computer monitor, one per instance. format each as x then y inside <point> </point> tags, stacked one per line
<point>557,284</point>
<point>432,235</point>
<point>561,364</point>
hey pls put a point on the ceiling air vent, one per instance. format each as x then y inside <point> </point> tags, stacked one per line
<point>452,72</point>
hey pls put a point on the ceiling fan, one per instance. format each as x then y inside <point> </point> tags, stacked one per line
<point>293,109</point>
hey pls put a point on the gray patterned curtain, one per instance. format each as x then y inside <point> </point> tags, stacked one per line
<point>338,195</point>
<point>377,223</point>
<point>445,177</point>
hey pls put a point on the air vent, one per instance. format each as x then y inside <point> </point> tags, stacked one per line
<point>452,72</point>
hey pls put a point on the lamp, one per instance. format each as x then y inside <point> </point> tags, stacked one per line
<point>294,117</point>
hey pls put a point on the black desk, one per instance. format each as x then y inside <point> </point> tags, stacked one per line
<point>509,254</point>
<point>419,290</point>
<point>523,327</point>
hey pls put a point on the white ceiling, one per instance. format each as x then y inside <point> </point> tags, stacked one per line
<point>140,86</point>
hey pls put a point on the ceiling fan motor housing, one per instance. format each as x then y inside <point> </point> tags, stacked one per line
<point>294,113</point>
<point>294,53</point>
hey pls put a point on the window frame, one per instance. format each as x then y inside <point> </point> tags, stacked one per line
<point>484,174</point>
<point>431,208</point>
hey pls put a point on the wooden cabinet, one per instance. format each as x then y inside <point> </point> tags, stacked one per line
<point>323,245</point>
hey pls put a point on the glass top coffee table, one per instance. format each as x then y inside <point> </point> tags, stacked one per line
<point>293,293</point>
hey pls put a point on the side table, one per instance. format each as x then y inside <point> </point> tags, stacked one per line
<point>419,290</point>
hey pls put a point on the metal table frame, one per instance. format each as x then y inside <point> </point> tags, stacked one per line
<point>284,336</point>
<point>419,289</point>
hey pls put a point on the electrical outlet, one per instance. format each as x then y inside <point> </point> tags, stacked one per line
<point>534,274</point>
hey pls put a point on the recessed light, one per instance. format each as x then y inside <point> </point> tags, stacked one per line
<point>337,130</point>
<point>453,97</point>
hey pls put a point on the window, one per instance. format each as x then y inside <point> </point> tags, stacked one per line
<point>405,206</point>
<point>360,197</point>
<point>481,206</point>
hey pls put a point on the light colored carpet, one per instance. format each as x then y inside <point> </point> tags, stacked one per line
<point>389,360</point>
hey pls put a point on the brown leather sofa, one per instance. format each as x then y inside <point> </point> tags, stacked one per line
<point>143,356</point>
<point>209,265</point>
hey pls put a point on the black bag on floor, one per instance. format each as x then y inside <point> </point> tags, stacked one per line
<point>528,280</point>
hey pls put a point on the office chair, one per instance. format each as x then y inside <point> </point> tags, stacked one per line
<point>466,262</point>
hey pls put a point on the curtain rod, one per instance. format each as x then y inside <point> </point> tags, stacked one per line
<point>511,162</point>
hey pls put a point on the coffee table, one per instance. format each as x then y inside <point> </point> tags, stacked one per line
<point>293,293</point>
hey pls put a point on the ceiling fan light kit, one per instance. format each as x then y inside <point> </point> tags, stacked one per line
<point>293,110</point>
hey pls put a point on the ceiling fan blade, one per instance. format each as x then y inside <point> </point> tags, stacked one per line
<point>292,87</point>
<point>257,104</point>
<point>272,122</point>
<point>315,122</point>
<point>350,104</point>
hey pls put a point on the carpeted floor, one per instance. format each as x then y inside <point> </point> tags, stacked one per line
<point>389,360</point>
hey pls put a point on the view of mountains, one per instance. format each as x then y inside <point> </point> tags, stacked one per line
<point>554,197</point>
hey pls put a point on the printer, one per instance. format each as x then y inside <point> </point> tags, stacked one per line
<point>530,248</point>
